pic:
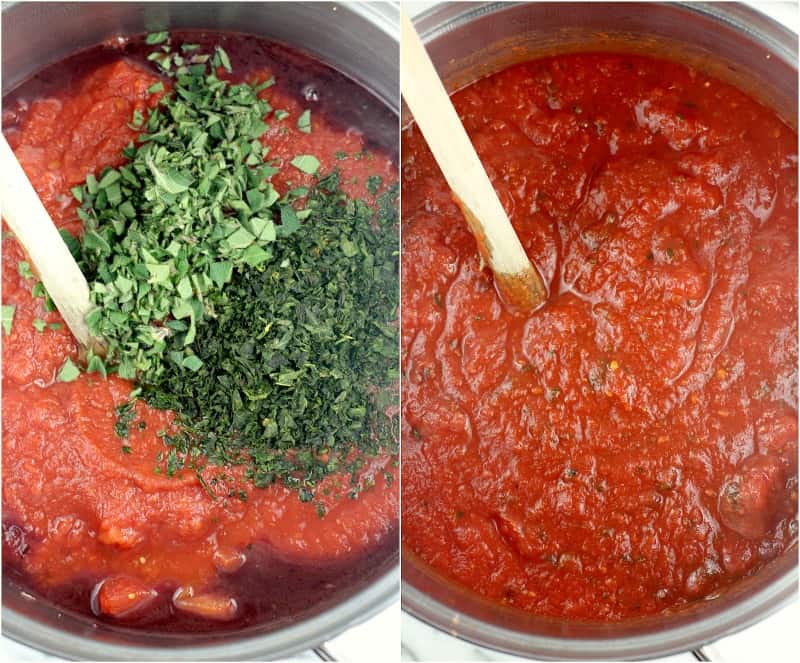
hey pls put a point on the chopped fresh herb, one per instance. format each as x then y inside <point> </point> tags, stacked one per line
<point>156,87</point>
<point>8,317</point>
<point>24,269</point>
<point>157,251</point>
<point>296,359</point>
<point>304,122</point>
<point>39,325</point>
<point>340,156</point>
<point>72,243</point>
<point>69,371</point>
<point>95,364</point>
<point>374,183</point>
<point>253,333</point>
<point>125,416</point>
<point>126,449</point>
<point>280,114</point>
<point>221,59</point>
<point>306,163</point>
<point>54,325</point>
<point>156,38</point>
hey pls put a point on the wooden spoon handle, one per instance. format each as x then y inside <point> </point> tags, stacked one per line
<point>49,255</point>
<point>516,278</point>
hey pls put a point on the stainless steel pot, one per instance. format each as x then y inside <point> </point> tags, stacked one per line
<point>358,39</point>
<point>470,40</point>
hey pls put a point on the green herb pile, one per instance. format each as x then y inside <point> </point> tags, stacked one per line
<point>267,322</point>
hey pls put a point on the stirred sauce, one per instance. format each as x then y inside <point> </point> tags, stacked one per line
<point>632,446</point>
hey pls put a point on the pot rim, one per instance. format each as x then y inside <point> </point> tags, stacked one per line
<point>304,634</point>
<point>681,637</point>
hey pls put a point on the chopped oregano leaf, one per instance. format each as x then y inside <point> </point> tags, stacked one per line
<point>306,163</point>
<point>156,38</point>
<point>96,365</point>
<point>224,61</point>
<point>8,317</point>
<point>304,122</point>
<point>24,269</point>
<point>69,371</point>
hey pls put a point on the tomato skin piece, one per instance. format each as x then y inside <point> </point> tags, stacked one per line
<point>209,606</point>
<point>123,596</point>
<point>228,560</point>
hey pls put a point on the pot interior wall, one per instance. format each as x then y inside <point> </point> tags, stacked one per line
<point>323,29</point>
<point>474,40</point>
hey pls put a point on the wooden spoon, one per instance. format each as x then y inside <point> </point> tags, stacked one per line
<point>49,255</point>
<point>516,278</point>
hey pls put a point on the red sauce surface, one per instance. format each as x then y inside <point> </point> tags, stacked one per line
<point>76,508</point>
<point>632,446</point>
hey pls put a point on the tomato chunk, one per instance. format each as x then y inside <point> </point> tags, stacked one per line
<point>122,596</point>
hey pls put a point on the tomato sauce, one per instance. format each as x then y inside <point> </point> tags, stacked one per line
<point>631,446</point>
<point>77,509</point>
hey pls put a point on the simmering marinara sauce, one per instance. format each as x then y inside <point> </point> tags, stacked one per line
<point>632,446</point>
<point>86,521</point>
